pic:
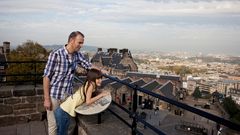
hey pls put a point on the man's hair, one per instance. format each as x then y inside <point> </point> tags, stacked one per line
<point>74,34</point>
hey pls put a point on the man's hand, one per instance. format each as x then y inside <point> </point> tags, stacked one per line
<point>101,69</point>
<point>48,104</point>
<point>104,71</point>
<point>47,100</point>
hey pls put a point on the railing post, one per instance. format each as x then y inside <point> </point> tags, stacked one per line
<point>99,118</point>
<point>134,123</point>
<point>35,72</point>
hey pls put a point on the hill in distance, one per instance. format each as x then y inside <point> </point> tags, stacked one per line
<point>86,48</point>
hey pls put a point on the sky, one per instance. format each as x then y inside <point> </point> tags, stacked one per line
<point>207,26</point>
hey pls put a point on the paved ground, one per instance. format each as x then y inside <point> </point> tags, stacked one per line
<point>31,128</point>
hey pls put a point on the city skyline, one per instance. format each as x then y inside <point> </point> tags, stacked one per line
<point>207,26</point>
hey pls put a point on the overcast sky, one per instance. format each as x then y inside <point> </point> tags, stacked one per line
<point>207,26</point>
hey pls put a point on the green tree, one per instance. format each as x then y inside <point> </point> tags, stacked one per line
<point>197,93</point>
<point>236,118</point>
<point>232,108</point>
<point>28,51</point>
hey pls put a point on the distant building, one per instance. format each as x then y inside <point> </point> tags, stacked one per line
<point>139,75</point>
<point>225,84</point>
<point>162,79</point>
<point>204,87</point>
<point>123,94</point>
<point>3,67</point>
<point>117,63</point>
<point>192,83</point>
<point>4,51</point>
<point>1,50</point>
<point>5,48</point>
<point>235,94</point>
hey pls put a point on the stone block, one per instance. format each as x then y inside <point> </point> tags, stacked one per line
<point>24,111</point>
<point>26,90</point>
<point>12,100</point>
<point>1,100</point>
<point>5,93</point>
<point>24,100</point>
<point>39,90</point>
<point>22,119</point>
<point>7,120</point>
<point>34,99</point>
<point>36,116</point>
<point>5,110</point>
<point>40,107</point>
<point>24,106</point>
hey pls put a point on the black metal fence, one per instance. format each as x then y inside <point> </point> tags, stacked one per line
<point>134,115</point>
<point>21,72</point>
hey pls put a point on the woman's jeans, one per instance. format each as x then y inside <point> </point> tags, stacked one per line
<point>63,121</point>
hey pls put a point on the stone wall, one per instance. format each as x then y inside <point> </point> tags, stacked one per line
<point>20,104</point>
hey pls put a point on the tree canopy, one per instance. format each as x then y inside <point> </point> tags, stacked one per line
<point>182,70</point>
<point>197,93</point>
<point>232,108</point>
<point>28,51</point>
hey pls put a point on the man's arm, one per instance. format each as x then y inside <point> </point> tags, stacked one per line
<point>47,99</point>
<point>84,62</point>
<point>48,71</point>
<point>87,65</point>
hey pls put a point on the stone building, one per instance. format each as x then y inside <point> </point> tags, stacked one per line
<point>117,63</point>
<point>120,93</point>
<point>235,94</point>
<point>3,67</point>
<point>123,95</point>
<point>4,51</point>
<point>137,75</point>
<point>5,48</point>
<point>161,79</point>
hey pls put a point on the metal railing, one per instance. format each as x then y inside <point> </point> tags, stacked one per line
<point>136,117</point>
<point>17,72</point>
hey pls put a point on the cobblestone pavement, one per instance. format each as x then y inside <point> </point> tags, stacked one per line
<point>31,128</point>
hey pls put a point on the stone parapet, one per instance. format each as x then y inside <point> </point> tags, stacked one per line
<point>110,124</point>
<point>20,104</point>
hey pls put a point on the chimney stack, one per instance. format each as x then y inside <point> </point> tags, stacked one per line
<point>112,50</point>
<point>99,50</point>
<point>124,52</point>
<point>6,47</point>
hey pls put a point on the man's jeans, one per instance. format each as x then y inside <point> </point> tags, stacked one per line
<point>63,120</point>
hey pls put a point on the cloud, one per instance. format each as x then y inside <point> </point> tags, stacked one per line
<point>155,23</point>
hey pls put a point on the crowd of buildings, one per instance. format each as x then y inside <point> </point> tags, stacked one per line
<point>222,77</point>
<point>122,65</point>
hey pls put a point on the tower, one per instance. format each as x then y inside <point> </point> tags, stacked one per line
<point>6,47</point>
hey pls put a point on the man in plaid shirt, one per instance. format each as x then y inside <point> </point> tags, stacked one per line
<point>58,75</point>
